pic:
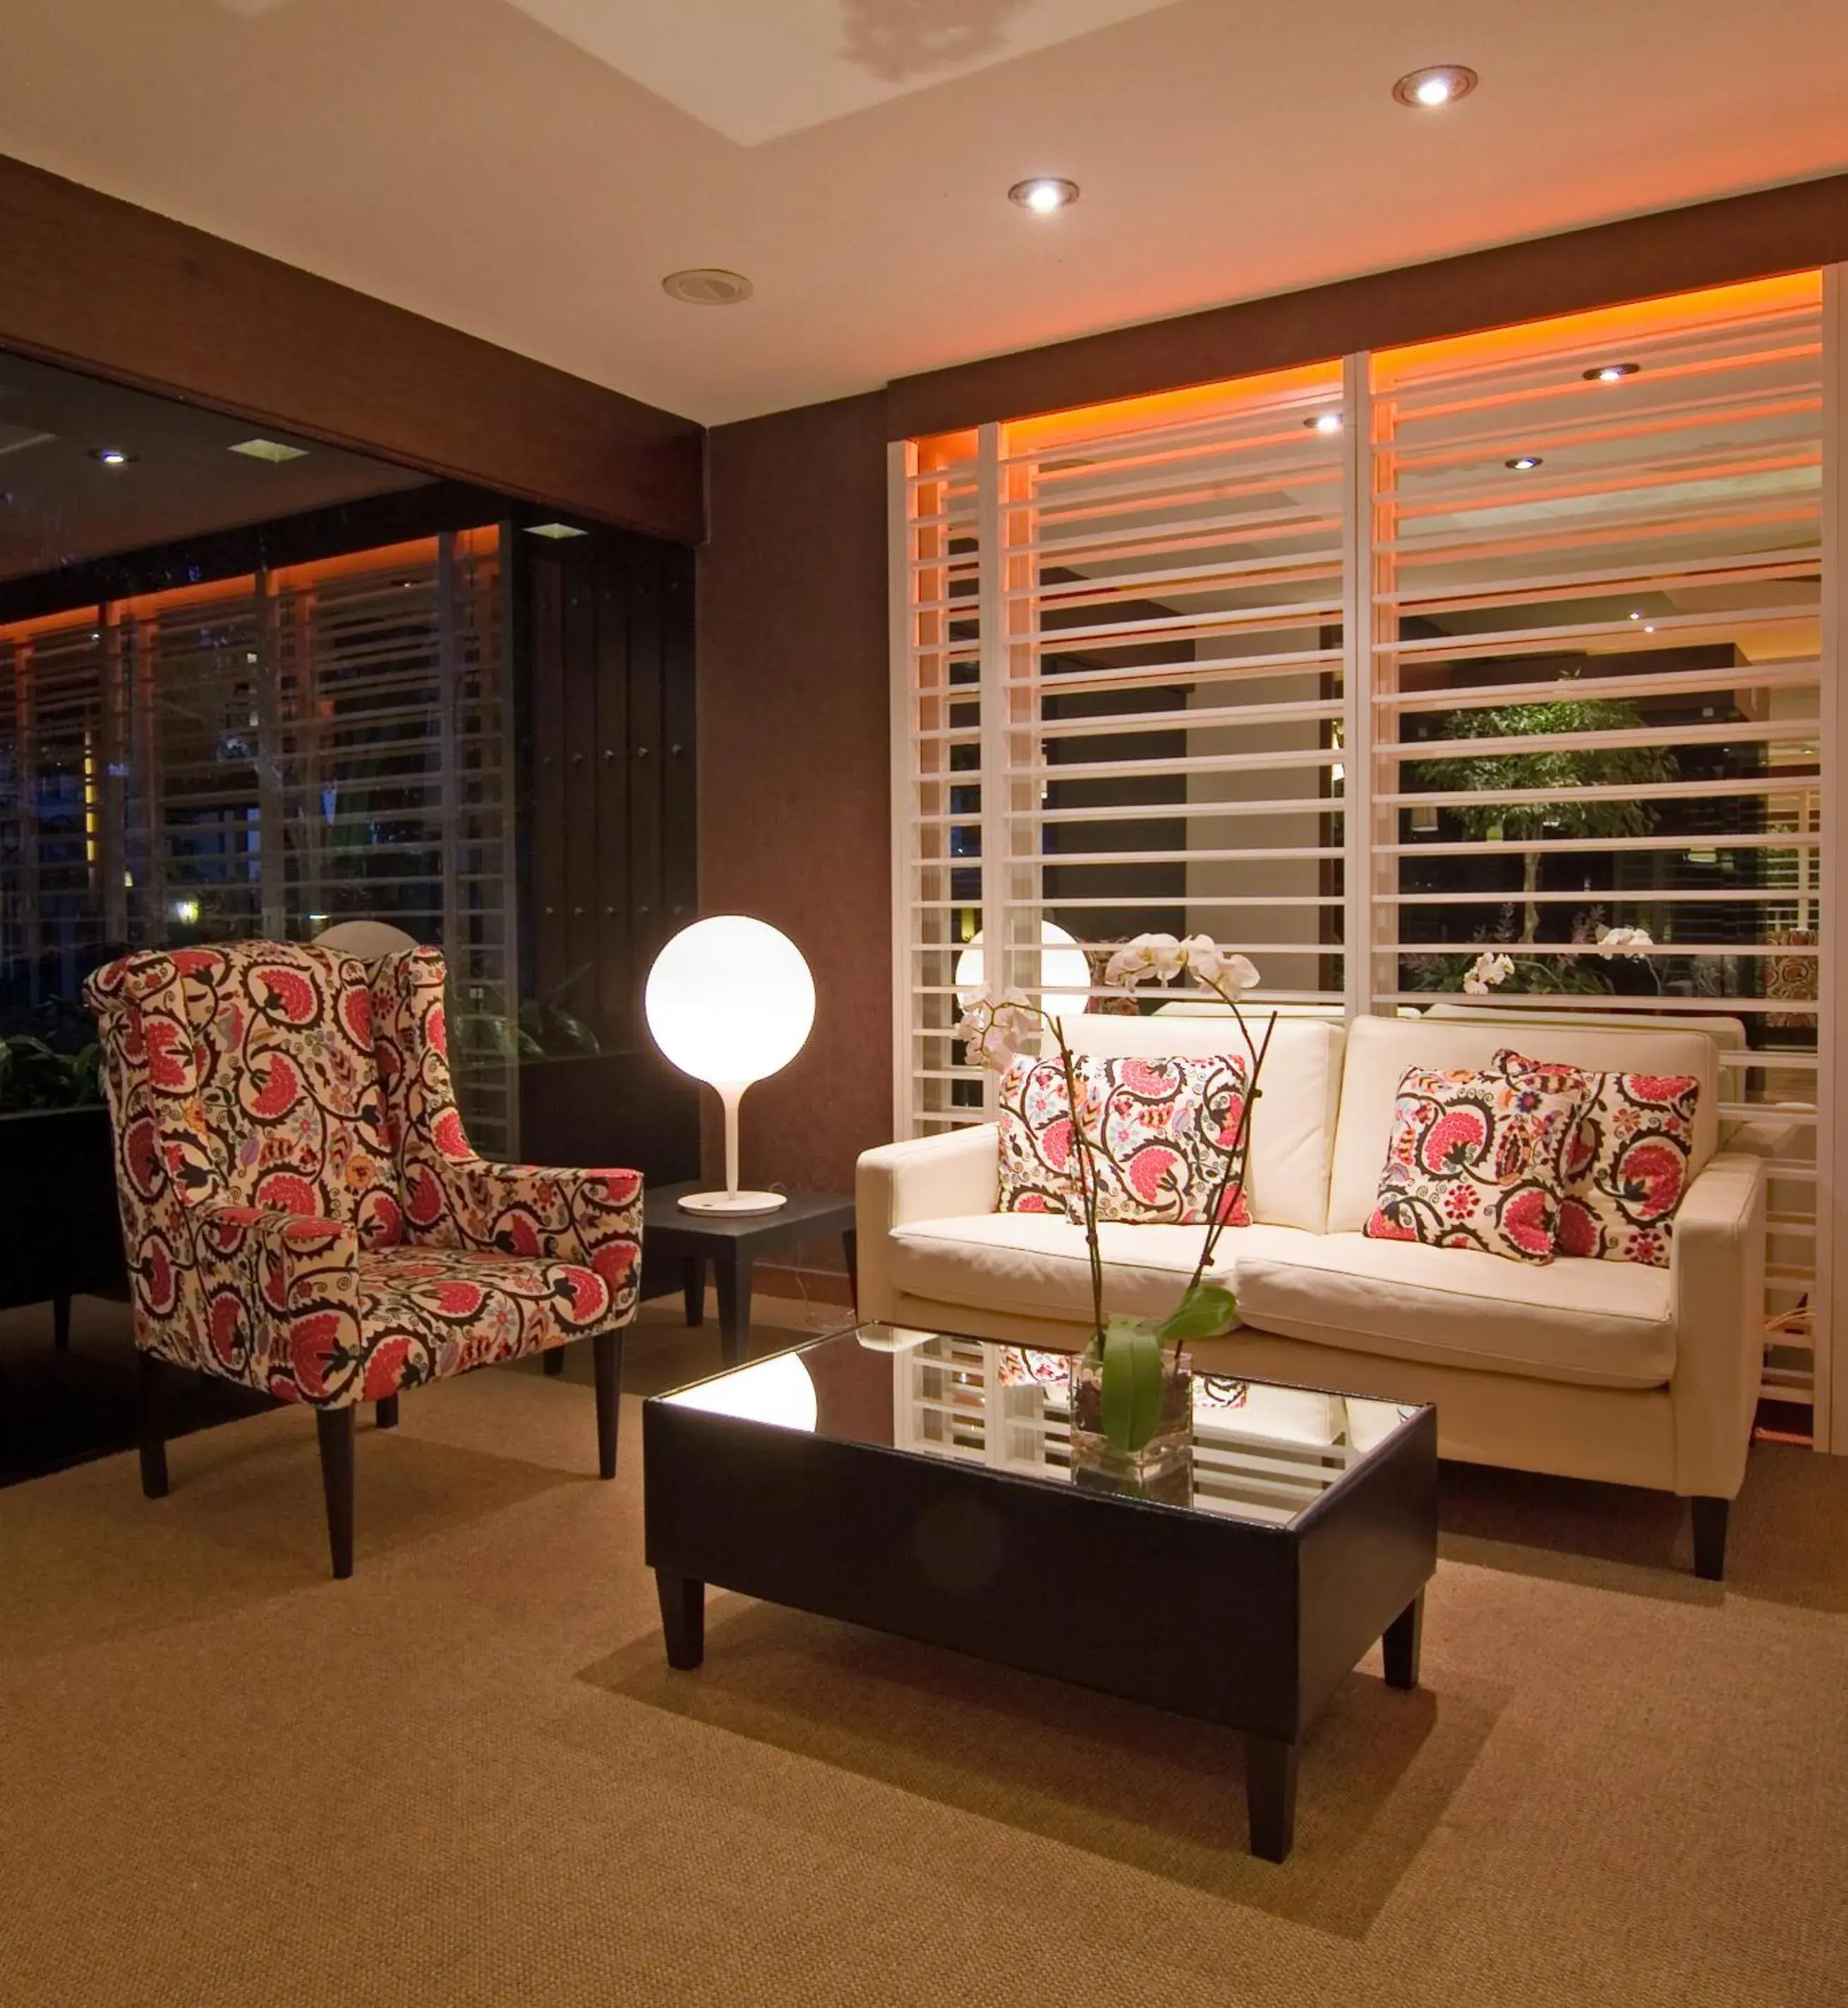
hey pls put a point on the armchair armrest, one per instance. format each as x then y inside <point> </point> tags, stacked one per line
<point>279,1301</point>
<point>1716,1266</point>
<point>589,1217</point>
<point>924,1177</point>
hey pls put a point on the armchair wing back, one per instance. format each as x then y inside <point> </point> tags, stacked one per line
<point>301,1207</point>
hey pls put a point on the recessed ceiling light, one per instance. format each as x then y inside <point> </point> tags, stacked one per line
<point>269,449</point>
<point>111,456</point>
<point>1611,373</point>
<point>555,531</point>
<point>1637,616</point>
<point>1439,84</point>
<point>1324,421</point>
<point>707,286</point>
<point>1043,194</point>
<point>1522,462</point>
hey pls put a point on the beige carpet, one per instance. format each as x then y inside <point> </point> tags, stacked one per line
<point>467,1777</point>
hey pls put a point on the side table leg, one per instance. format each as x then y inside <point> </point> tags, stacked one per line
<point>849,1241</point>
<point>693,1288</point>
<point>1400,1644</point>
<point>1271,1796</point>
<point>732,1275</point>
<point>683,1618</point>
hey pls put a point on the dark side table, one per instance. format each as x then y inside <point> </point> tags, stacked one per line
<point>733,1246</point>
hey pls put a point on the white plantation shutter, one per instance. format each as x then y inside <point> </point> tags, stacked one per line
<point>1120,703</point>
<point>1637,620</point>
<point>265,756</point>
<point>1194,663</point>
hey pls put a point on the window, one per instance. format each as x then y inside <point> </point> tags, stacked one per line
<point>1483,647</point>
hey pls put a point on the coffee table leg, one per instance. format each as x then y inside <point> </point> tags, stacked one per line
<point>1400,1646</point>
<point>1270,1796</point>
<point>693,1286</point>
<point>683,1618</point>
<point>733,1278</point>
<point>849,1241</point>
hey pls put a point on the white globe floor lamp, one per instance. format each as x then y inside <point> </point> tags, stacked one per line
<point>730,1001</point>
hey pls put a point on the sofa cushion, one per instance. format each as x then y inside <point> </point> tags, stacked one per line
<point>1628,1168</point>
<point>1477,1159</point>
<point>1379,1051</point>
<point>1162,1131</point>
<point>1033,1117</point>
<point>1605,1324</point>
<point>1036,1265</point>
<point>1292,1123</point>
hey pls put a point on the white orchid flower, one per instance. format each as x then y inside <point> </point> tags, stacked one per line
<point>996,1031</point>
<point>1158,955</point>
<point>1486,972</point>
<point>1629,941</point>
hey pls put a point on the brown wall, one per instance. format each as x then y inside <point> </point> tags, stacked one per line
<point>794,730</point>
<point>793,758</point>
<point>99,284</point>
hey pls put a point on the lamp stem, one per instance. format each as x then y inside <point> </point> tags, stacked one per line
<point>731,1097</point>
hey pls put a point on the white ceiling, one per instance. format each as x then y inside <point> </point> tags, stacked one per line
<point>528,170</point>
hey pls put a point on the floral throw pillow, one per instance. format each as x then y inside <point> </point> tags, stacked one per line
<point>1038,1174</point>
<point>1628,1164</point>
<point>1477,1159</point>
<point>1162,1132</point>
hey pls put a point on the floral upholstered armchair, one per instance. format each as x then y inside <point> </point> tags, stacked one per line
<point>302,1211</point>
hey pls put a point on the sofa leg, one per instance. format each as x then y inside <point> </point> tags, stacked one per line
<point>1710,1539</point>
<point>153,1385</point>
<point>606,1353</point>
<point>335,1429</point>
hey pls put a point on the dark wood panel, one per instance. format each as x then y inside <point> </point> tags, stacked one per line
<point>102,285</point>
<point>793,773</point>
<point>1707,244</point>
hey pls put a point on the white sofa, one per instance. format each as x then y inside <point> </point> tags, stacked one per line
<point>1595,1369</point>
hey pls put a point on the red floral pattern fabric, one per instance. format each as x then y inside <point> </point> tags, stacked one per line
<point>1162,1131</point>
<point>1628,1164</point>
<point>1477,1159</point>
<point>1037,1174</point>
<point>289,1154</point>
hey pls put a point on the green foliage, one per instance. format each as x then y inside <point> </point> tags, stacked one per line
<point>1207,1310</point>
<point>34,1075</point>
<point>543,1029</point>
<point>1562,771</point>
<point>1538,974</point>
<point>1130,1389</point>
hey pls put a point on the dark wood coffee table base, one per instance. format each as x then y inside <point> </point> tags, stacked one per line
<point>1249,1624</point>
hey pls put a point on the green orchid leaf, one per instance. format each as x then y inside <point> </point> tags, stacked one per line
<point>1207,1310</point>
<point>1130,1389</point>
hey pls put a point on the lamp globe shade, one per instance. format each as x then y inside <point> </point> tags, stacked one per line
<point>729,1000</point>
<point>1064,985</point>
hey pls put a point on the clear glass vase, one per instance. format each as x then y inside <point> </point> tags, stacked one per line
<point>1162,1468</point>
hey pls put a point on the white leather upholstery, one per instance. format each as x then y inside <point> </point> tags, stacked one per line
<point>1595,1369</point>
<point>1609,1324</point>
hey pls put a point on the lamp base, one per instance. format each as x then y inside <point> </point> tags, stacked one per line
<point>732,1202</point>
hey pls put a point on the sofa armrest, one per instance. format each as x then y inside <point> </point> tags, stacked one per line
<point>278,1302</point>
<point>1717,1277</point>
<point>571,1215</point>
<point>925,1178</point>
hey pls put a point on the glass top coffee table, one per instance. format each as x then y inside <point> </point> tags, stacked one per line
<point>921,1483</point>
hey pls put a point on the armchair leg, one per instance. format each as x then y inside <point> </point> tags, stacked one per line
<point>335,1428</point>
<point>554,1359</point>
<point>385,1413</point>
<point>606,1351</point>
<point>152,1383</point>
<point>1710,1539</point>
